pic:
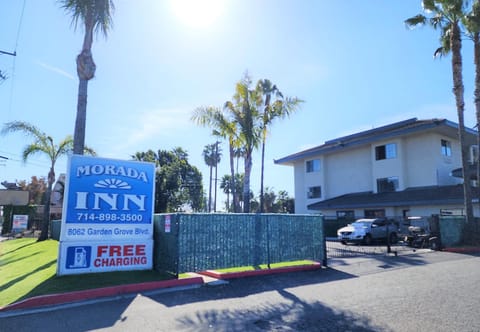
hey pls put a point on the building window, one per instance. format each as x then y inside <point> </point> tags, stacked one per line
<point>347,215</point>
<point>380,213</point>
<point>446,148</point>
<point>387,184</point>
<point>313,165</point>
<point>314,192</point>
<point>387,151</point>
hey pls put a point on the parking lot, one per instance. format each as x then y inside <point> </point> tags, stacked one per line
<point>335,249</point>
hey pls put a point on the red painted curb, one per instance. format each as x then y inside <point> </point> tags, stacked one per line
<point>463,250</point>
<point>233,275</point>
<point>44,300</point>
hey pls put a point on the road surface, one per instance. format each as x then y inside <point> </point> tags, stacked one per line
<point>435,291</point>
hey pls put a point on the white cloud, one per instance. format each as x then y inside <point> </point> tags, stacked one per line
<point>55,70</point>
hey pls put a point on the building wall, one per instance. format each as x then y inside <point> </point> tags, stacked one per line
<point>419,162</point>
<point>347,171</point>
<point>413,211</point>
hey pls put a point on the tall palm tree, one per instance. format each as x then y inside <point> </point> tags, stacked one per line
<point>96,15</point>
<point>447,15</point>
<point>218,157</point>
<point>280,108</point>
<point>222,126</point>
<point>225,185</point>
<point>208,157</point>
<point>244,110</point>
<point>43,143</point>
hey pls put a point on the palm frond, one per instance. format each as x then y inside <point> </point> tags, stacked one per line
<point>97,12</point>
<point>419,19</point>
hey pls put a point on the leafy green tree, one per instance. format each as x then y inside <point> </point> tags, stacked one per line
<point>95,15</point>
<point>36,190</point>
<point>42,143</point>
<point>284,203</point>
<point>275,106</point>
<point>447,15</point>
<point>149,156</point>
<point>178,185</point>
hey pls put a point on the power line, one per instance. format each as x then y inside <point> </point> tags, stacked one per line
<point>14,54</point>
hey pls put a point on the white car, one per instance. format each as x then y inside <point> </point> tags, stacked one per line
<point>367,230</point>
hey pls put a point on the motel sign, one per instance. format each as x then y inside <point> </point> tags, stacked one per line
<point>107,223</point>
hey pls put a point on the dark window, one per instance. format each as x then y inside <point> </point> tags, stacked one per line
<point>446,148</point>
<point>346,215</point>
<point>313,165</point>
<point>375,213</point>
<point>387,151</point>
<point>387,184</point>
<point>314,192</point>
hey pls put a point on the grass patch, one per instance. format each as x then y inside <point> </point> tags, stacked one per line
<point>265,266</point>
<point>28,268</point>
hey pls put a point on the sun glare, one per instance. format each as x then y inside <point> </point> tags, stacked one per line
<point>197,13</point>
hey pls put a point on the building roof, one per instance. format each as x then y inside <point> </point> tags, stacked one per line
<point>431,195</point>
<point>397,129</point>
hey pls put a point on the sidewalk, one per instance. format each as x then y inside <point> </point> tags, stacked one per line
<point>211,278</point>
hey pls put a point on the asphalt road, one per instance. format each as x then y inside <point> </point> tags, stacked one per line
<point>435,291</point>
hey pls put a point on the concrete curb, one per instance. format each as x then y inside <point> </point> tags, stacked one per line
<point>233,275</point>
<point>63,298</point>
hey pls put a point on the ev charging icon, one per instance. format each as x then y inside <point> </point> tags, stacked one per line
<point>78,257</point>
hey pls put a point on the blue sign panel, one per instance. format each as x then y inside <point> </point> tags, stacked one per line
<point>108,198</point>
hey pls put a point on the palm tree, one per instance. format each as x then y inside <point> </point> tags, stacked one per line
<point>218,156</point>
<point>211,157</point>
<point>280,108</point>
<point>43,144</point>
<point>225,185</point>
<point>223,127</point>
<point>244,110</point>
<point>447,15</point>
<point>95,15</point>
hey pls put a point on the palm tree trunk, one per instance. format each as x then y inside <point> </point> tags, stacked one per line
<point>210,192</point>
<point>46,209</point>
<point>232,174</point>
<point>216,178</point>
<point>458,90</point>
<point>85,71</point>
<point>476,42</point>
<point>81,119</point>
<point>261,176</point>
<point>246,184</point>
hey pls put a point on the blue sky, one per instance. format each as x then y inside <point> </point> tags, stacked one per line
<point>354,63</point>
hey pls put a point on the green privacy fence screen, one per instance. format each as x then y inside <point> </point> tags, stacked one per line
<point>451,230</point>
<point>197,242</point>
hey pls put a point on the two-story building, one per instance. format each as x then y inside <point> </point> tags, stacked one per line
<point>401,169</point>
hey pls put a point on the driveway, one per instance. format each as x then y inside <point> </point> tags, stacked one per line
<point>434,291</point>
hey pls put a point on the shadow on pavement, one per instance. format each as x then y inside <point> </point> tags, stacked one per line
<point>298,316</point>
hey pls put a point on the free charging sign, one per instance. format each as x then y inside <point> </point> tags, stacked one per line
<point>108,199</point>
